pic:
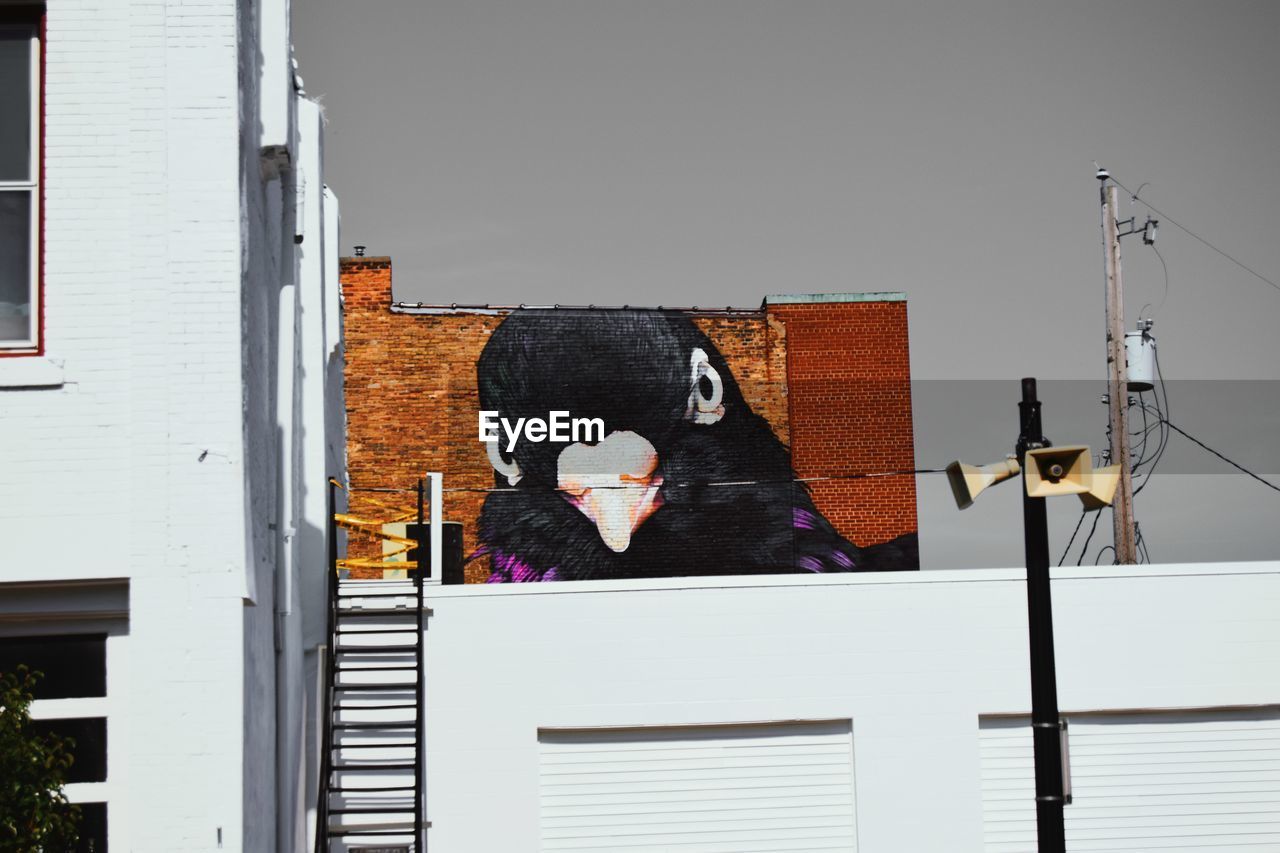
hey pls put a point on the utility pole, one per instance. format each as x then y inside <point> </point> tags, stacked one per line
<point>1117,376</point>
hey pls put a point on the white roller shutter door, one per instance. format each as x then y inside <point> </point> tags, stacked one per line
<point>713,789</point>
<point>1175,781</point>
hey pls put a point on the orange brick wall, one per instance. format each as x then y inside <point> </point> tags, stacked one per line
<point>810,370</point>
<point>849,378</point>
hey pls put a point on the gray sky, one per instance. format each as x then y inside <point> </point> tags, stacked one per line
<point>712,152</point>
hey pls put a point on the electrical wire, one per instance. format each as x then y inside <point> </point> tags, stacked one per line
<point>817,479</point>
<point>1163,414</point>
<point>1162,417</point>
<point>1141,545</point>
<point>1142,312</point>
<point>1236,465</point>
<point>1144,432</point>
<point>1180,226</point>
<point>1070,541</point>
<point>735,483</point>
<point>1165,295</point>
<point>1097,513</point>
<point>1161,444</point>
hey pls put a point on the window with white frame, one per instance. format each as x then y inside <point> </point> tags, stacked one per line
<point>19,179</point>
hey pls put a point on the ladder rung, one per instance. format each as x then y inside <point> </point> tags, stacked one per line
<point>387,613</point>
<point>365,650</point>
<point>371,790</point>
<point>375,668</point>
<point>412,685</point>
<point>398,725</point>
<point>408,830</point>
<point>403,630</point>
<point>395,707</point>
<point>399,766</point>
<point>408,745</point>
<point>374,810</point>
<point>409,594</point>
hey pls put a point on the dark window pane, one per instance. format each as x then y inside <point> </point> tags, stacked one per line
<point>93,828</point>
<point>15,103</point>
<point>89,749</point>
<point>15,265</point>
<point>73,666</point>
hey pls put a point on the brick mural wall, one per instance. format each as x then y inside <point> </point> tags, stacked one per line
<point>832,380</point>
<point>849,378</point>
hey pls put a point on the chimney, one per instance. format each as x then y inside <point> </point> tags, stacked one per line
<point>366,281</point>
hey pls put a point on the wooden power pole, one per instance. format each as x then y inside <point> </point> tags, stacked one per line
<point>1117,378</point>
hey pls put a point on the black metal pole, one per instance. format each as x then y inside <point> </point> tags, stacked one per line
<point>326,699</point>
<point>1045,728</point>
<point>424,564</point>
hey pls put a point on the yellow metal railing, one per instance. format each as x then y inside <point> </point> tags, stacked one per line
<point>375,528</point>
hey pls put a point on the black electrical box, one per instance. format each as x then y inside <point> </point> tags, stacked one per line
<point>450,553</point>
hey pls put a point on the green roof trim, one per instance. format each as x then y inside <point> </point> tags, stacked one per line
<point>818,298</point>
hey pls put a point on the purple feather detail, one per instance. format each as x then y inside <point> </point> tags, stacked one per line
<point>804,519</point>
<point>843,560</point>
<point>508,568</point>
<point>809,564</point>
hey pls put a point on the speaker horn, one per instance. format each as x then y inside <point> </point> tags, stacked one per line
<point>1053,471</point>
<point>967,481</point>
<point>1102,488</point>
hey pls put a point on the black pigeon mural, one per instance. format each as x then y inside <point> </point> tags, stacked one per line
<point>687,479</point>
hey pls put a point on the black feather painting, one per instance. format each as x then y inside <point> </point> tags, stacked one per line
<point>685,478</point>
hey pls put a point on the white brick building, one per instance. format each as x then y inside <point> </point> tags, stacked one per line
<point>170,406</point>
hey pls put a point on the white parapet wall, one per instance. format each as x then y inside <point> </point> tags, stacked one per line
<point>518,676</point>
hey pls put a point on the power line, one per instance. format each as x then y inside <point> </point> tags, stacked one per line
<point>1236,465</point>
<point>1071,541</point>
<point>1142,545</point>
<point>1180,226</point>
<point>1097,514</point>
<point>1165,296</point>
<point>735,483</point>
<point>816,479</point>
<point>1162,417</point>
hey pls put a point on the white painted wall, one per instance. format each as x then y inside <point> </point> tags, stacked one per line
<point>913,659</point>
<point>146,443</point>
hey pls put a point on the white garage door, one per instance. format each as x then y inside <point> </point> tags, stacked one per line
<point>712,789</point>
<point>1206,781</point>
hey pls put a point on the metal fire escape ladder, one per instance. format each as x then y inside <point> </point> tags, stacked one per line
<point>371,793</point>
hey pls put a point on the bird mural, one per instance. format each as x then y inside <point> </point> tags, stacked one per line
<point>686,480</point>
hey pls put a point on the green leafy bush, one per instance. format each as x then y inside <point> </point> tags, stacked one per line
<point>35,816</point>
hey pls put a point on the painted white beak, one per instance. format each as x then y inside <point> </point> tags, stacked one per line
<point>613,484</point>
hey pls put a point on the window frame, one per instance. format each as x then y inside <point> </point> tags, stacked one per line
<point>32,16</point>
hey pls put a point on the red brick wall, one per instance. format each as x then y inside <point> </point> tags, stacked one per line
<point>810,370</point>
<point>411,403</point>
<point>849,380</point>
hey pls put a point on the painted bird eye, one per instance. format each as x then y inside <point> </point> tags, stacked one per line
<point>706,390</point>
<point>508,468</point>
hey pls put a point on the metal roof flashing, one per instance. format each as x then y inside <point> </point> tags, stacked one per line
<point>400,307</point>
<point>819,298</point>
